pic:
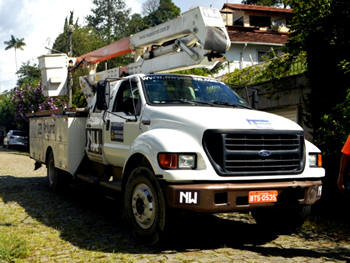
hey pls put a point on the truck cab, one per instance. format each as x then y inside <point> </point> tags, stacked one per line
<point>208,148</point>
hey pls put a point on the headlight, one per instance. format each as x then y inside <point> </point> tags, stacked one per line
<point>177,160</point>
<point>315,160</point>
<point>187,161</point>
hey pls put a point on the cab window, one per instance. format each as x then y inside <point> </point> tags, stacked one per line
<point>128,99</point>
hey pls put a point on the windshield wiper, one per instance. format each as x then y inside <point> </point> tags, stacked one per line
<point>188,101</point>
<point>230,105</point>
<point>213,104</point>
<point>176,100</point>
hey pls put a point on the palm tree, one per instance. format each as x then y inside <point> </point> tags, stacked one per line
<point>15,43</point>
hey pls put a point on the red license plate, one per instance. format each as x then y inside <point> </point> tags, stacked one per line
<point>256,197</point>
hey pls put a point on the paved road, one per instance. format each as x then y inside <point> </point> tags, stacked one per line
<point>82,225</point>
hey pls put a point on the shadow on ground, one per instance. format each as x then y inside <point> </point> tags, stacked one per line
<point>89,220</point>
<point>18,150</point>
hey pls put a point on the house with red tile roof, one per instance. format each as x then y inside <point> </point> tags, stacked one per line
<point>254,31</point>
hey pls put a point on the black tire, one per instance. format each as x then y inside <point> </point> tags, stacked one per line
<point>144,206</point>
<point>282,219</point>
<point>55,177</point>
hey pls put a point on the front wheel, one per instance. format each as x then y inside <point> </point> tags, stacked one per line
<point>144,205</point>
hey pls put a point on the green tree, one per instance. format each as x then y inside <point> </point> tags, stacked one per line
<point>28,75</point>
<point>320,27</point>
<point>110,19</point>
<point>7,111</point>
<point>84,39</point>
<point>16,43</point>
<point>166,10</point>
<point>136,24</point>
<point>149,7</point>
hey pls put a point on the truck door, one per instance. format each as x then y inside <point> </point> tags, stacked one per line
<point>94,135</point>
<point>122,123</point>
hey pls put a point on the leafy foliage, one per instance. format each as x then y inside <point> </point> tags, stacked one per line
<point>149,7</point>
<point>273,69</point>
<point>335,127</point>
<point>311,18</point>
<point>16,43</point>
<point>195,71</point>
<point>166,10</point>
<point>136,24</point>
<point>29,99</point>
<point>7,110</point>
<point>320,28</point>
<point>28,75</point>
<point>110,19</point>
<point>84,40</point>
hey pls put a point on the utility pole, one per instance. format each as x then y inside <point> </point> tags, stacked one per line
<point>70,65</point>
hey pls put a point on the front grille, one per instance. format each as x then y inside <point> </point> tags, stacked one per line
<point>255,152</point>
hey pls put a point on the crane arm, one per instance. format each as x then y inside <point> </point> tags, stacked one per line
<point>194,39</point>
<point>116,49</point>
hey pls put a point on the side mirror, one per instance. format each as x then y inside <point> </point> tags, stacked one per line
<point>101,103</point>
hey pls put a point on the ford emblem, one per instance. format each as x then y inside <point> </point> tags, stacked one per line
<point>264,153</point>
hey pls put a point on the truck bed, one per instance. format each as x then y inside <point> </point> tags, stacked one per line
<point>63,133</point>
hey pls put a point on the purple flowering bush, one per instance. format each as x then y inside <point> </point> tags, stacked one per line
<point>30,99</point>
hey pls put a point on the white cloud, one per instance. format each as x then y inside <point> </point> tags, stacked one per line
<point>39,22</point>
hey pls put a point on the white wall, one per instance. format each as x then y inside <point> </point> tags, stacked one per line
<point>241,56</point>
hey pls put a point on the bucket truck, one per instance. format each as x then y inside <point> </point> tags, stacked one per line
<point>170,142</point>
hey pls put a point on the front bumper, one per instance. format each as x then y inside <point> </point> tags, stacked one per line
<point>229,197</point>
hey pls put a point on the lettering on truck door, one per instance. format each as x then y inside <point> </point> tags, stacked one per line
<point>94,140</point>
<point>94,136</point>
<point>122,125</point>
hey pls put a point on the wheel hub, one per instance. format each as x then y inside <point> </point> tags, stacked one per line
<point>143,206</point>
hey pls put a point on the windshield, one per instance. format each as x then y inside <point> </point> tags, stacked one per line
<point>18,133</point>
<point>172,89</point>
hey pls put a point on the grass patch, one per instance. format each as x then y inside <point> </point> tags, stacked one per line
<point>12,247</point>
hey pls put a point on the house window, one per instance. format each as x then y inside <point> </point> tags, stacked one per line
<point>260,21</point>
<point>238,21</point>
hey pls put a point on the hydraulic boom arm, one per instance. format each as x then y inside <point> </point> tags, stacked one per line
<point>194,39</point>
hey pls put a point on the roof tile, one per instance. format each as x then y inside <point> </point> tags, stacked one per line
<point>257,36</point>
<point>257,8</point>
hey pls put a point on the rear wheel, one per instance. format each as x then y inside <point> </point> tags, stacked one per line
<point>144,205</point>
<point>56,178</point>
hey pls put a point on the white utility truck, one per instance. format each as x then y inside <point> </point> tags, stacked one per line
<point>174,142</point>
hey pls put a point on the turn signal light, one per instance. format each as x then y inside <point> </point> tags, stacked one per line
<point>319,160</point>
<point>315,159</point>
<point>168,160</point>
